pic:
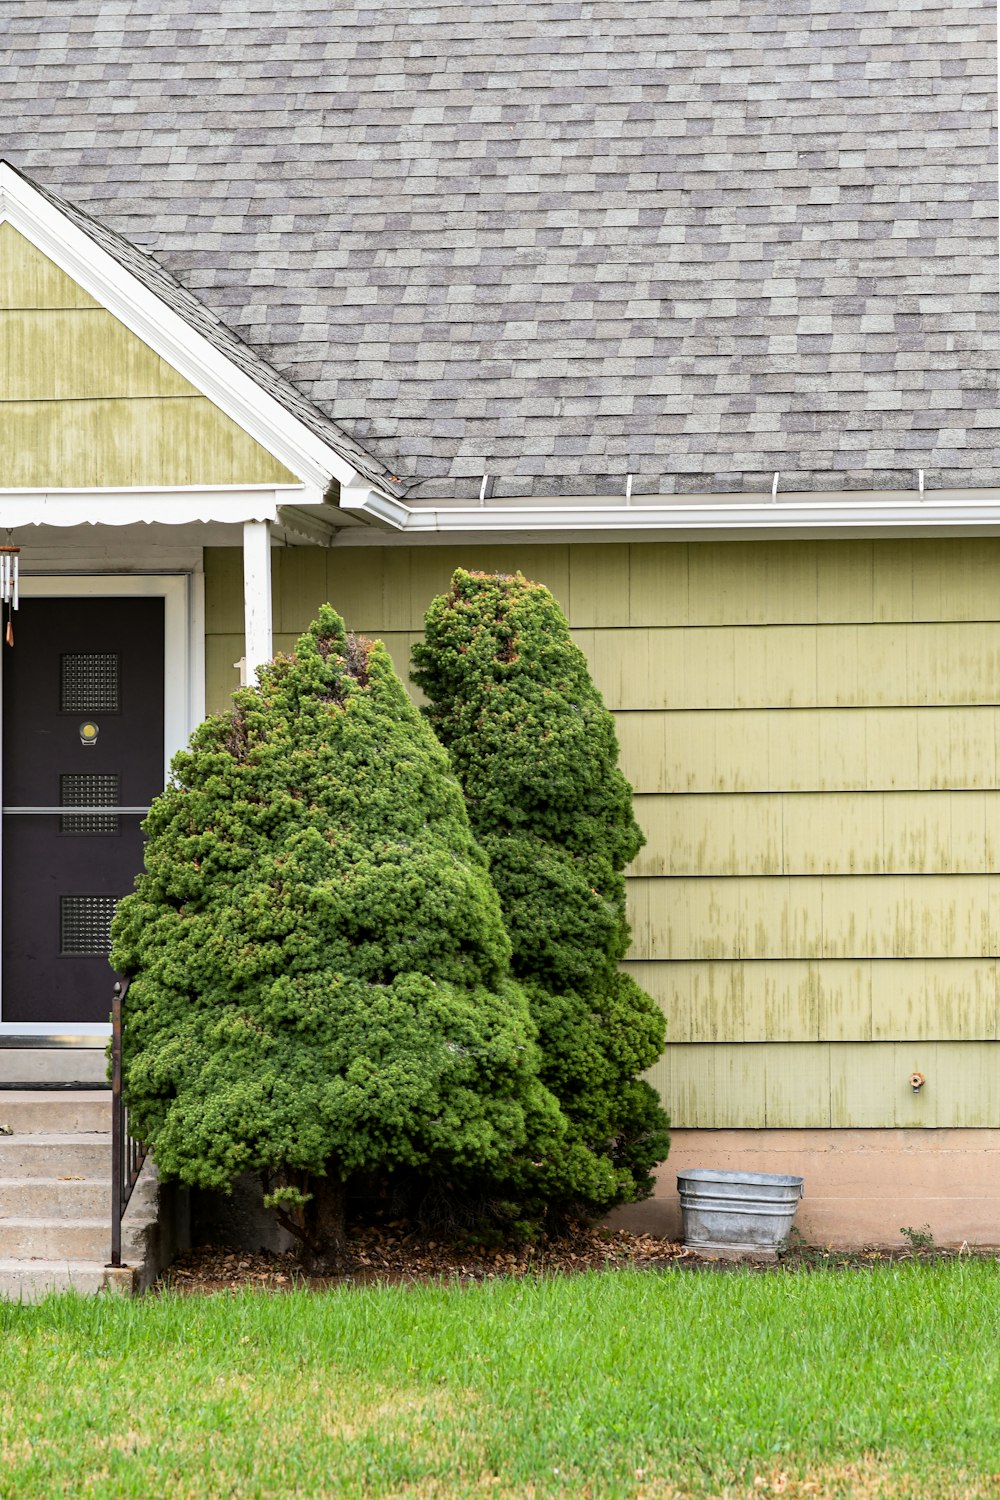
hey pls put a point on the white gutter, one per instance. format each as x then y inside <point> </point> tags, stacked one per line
<point>694,515</point>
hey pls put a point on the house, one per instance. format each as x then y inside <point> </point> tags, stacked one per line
<point>689,310</point>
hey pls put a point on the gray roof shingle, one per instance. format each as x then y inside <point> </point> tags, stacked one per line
<point>560,240</point>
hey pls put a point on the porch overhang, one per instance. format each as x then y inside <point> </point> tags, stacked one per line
<point>256,509</point>
<point>169,506</point>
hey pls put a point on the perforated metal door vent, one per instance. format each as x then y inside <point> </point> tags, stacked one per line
<point>85,924</point>
<point>89,682</point>
<point>78,789</point>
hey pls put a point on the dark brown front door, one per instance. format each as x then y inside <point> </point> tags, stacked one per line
<point>82,728</point>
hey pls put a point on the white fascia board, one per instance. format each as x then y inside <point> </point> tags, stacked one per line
<point>691,516</point>
<point>170,506</point>
<point>168,335</point>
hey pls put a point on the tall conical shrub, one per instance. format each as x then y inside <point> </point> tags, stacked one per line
<point>321,984</point>
<point>534,747</point>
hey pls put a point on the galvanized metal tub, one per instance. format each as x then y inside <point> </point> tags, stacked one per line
<point>738,1212</point>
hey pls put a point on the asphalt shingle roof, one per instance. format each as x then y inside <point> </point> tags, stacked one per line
<point>557,241</point>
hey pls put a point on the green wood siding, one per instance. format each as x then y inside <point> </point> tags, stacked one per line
<point>809,750</point>
<point>813,732</point>
<point>85,403</point>
<point>834,1000</point>
<point>802,1085</point>
<point>874,833</point>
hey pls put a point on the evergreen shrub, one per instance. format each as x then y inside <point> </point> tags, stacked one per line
<point>320,981</point>
<point>512,699</point>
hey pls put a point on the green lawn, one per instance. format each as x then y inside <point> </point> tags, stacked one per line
<point>882,1382</point>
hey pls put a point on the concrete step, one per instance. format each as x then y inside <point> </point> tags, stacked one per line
<point>55,1181</point>
<point>53,1197</point>
<point>57,1154</point>
<point>53,1065</point>
<point>30,1280</point>
<point>26,1111</point>
<point>55,1239</point>
<point>69,1196</point>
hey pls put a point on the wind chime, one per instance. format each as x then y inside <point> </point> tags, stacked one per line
<point>9,581</point>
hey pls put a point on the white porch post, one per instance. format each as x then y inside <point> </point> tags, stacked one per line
<point>256,596</point>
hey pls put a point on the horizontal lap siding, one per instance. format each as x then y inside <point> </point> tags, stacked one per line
<point>144,441</point>
<point>833,1000</point>
<point>812,750</point>
<point>781,917</point>
<point>661,585</point>
<point>871,833</point>
<point>802,1085</point>
<point>795,666</point>
<point>812,730</point>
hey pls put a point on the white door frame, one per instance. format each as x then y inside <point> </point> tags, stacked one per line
<point>183,598</point>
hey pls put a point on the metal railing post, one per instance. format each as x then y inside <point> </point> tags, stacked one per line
<point>127,1154</point>
<point>117,1132</point>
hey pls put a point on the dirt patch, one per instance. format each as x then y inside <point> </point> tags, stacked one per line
<point>872,1478</point>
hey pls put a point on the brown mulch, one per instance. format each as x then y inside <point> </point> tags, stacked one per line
<point>394,1254</point>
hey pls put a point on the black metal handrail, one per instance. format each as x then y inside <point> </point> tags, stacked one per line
<point>127,1154</point>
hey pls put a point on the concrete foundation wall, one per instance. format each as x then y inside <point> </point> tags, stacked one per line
<point>861,1186</point>
<point>237,1220</point>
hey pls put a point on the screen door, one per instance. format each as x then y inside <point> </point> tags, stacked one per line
<point>82,760</point>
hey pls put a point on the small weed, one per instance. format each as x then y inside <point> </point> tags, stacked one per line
<point>800,1252</point>
<point>919,1239</point>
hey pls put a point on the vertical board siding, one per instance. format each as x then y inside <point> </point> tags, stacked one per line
<point>84,403</point>
<point>812,729</point>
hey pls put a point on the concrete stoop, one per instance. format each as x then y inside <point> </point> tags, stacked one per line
<point>30,1280</point>
<point>55,1185</point>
